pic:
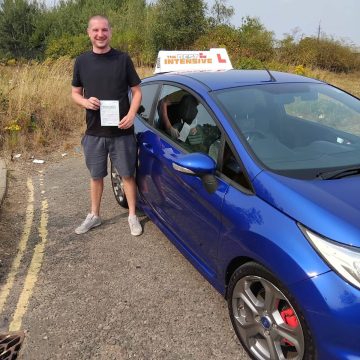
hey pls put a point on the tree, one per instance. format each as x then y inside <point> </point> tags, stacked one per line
<point>71,16</point>
<point>17,24</point>
<point>130,29</point>
<point>220,36</point>
<point>221,14</point>
<point>255,40</point>
<point>176,24</point>
<point>69,21</point>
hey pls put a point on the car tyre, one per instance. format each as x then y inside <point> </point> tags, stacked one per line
<point>265,316</point>
<point>118,188</point>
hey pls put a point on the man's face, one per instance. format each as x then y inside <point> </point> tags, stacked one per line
<point>99,33</point>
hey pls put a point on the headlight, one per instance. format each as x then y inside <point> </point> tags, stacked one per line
<point>345,260</point>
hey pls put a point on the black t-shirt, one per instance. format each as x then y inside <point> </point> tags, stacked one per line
<point>107,77</point>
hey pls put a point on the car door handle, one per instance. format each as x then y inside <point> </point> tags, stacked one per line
<point>148,147</point>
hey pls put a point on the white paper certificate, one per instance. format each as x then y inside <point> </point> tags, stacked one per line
<point>184,132</point>
<point>109,112</point>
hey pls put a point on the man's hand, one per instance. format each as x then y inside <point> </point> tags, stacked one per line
<point>174,133</point>
<point>127,121</point>
<point>92,103</point>
<point>77,93</point>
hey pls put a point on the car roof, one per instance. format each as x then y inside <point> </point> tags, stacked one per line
<point>217,80</point>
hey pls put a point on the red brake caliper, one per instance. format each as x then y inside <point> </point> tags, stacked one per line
<point>290,319</point>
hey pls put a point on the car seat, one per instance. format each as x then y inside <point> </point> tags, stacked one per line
<point>187,108</point>
<point>184,111</point>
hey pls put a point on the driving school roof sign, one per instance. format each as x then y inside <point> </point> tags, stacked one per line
<point>212,60</point>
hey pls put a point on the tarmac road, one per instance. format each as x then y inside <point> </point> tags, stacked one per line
<point>104,294</point>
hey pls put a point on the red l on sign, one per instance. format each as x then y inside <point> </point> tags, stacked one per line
<point>220,59</point>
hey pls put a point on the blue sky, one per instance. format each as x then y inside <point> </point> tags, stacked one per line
<point>337,18</point>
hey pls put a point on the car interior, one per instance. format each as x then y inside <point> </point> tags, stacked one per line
<point>286,139</point>
<point>183,108</point>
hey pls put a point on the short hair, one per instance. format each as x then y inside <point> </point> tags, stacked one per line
<point>99,17</point>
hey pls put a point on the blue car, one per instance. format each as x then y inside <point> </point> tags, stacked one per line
<point>255,177</point>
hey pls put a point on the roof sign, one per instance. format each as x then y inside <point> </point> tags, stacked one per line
<point>179,61</point>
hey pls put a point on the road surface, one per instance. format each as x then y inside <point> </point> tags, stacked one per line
<point>104,294</point>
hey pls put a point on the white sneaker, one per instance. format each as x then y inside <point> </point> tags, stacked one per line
<point>135,226</point>
<point>90,222</point>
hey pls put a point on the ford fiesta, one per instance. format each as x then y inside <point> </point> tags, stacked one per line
<point>255,177</point>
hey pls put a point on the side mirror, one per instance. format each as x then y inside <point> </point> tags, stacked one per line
<point>198,164</point>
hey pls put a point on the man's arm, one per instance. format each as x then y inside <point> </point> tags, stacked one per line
<point>128,120</point>
<point>165,117</point>
<point>77,95</point>
<point>174,133</point>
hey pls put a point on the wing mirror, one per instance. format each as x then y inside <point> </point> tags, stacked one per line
<point>198,164</point>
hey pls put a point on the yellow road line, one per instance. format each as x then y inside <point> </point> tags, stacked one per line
<point>5,291</point>
<point>33,271</point>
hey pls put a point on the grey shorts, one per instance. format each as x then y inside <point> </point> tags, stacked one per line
<point>121,150</point>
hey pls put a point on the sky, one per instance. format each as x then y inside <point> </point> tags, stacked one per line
<point>338,19</point>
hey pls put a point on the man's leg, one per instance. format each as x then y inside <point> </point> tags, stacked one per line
<point>123,156</point>
<point>96,161</point>
<point>93,219</point>
<point>96,190</point>
<point>130,192</point>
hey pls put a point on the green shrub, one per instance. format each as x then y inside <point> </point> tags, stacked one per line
<point>67,45</point>
<point>255,40</point>
<point>248,63</point>
<point>277,66</point>
<point>248,46</point>
<point>323,53</point>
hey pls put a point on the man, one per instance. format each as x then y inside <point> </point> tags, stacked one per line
<point>107,74</point>
<point>174,115</point>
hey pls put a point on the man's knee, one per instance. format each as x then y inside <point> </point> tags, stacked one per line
<point>128,179</point>
<point>97,180</point>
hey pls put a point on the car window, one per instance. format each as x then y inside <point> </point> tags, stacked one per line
<point>181,117</point>
<point>148,94</point>
<point>232,169</point>
<point>248,109</point>
<point>296,129</point>
<point>325,110</point>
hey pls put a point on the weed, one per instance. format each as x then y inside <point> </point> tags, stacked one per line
<point>36,97</point>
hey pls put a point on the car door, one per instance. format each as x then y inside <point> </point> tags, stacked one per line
<point>184,208</point>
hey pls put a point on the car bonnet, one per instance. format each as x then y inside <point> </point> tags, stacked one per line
<point>330,208</point>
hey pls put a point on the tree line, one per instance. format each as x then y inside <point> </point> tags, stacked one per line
<point>31,30</point>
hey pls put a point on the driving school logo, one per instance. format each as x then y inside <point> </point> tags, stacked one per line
<point>184,59</point>
<point>213,60</point>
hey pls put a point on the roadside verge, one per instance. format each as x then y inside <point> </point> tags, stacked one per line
<point>2,180</point>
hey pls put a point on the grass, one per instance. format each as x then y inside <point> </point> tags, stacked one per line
<point>36,112</point>
<point>348,82</point>
<point>38,115</point>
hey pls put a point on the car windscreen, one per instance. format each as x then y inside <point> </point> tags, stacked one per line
<point>296,129</point>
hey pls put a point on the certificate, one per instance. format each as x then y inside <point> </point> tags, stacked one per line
<point>109,112</point>
<point>184,132</point>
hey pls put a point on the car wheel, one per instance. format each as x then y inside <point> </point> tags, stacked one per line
<point>265,316</point>
<point>118,187</point>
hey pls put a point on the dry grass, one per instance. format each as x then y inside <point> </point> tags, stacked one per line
<point>348,82</point>
<point>37,113</point>
<point>145,72</point>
